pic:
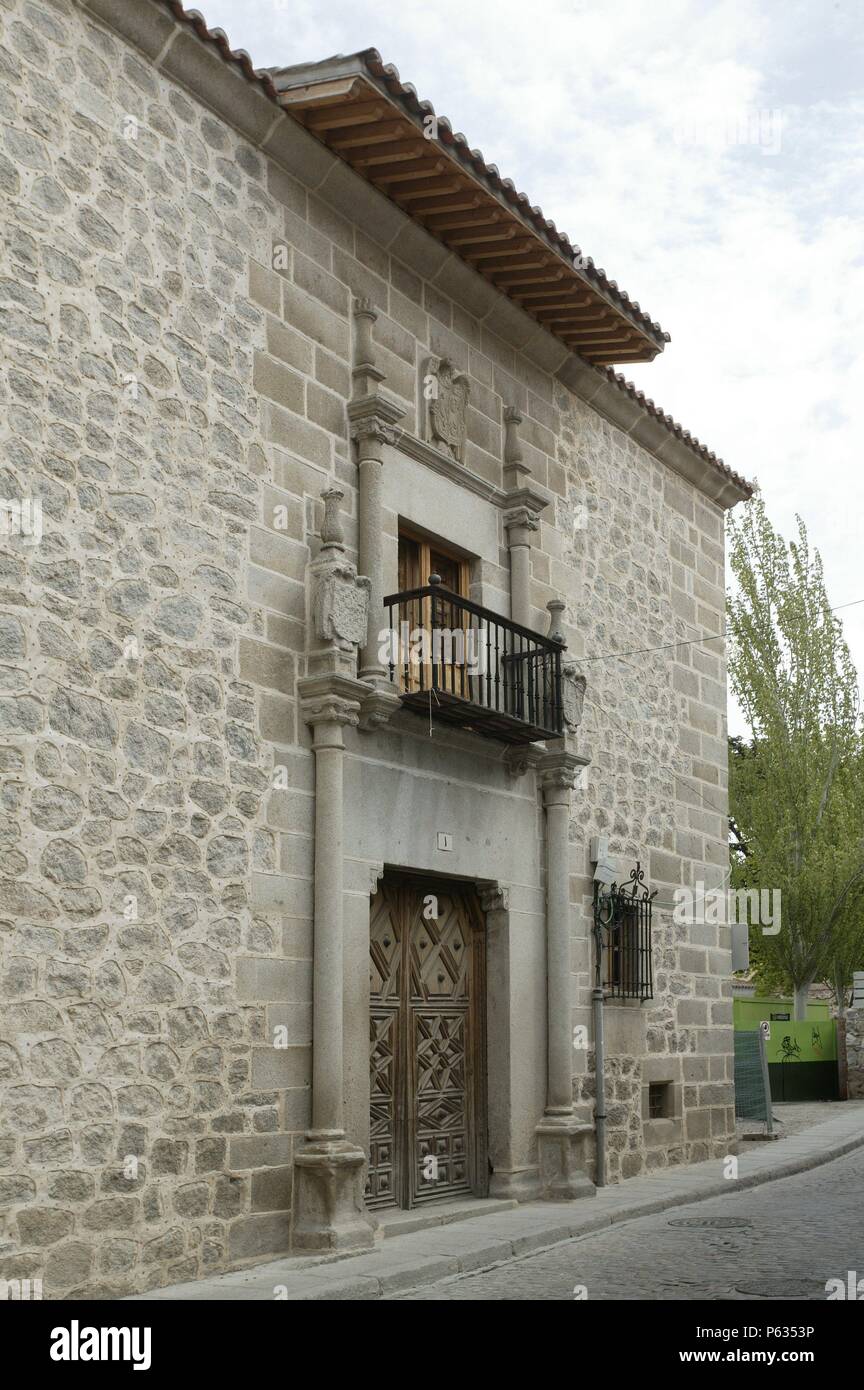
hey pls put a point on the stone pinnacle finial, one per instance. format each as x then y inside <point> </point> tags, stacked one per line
<point>512,445</point>
<point>365,372</point>
<point>331,530</point>
<point>555,607</point>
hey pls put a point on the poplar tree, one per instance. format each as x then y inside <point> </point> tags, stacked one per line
<point>796,790</point>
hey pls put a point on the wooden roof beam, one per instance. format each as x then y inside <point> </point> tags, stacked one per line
<point>477,237</point>
<point>355,138</point>
<point>388,152</point>
<point>456,224</point>
<point>461,201</point>
<point>358,113</point>
<point>478,251</point>
<point>547,278</point>
<point>428,187</point>
<point>407,173</point>
<point>541,298</point>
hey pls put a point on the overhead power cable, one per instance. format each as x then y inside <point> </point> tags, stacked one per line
<point>686,641</point>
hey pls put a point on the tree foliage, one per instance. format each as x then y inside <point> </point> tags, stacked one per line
<point>796,786</point>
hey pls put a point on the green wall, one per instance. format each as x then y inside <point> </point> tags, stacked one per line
<point>802,1057</point>
<point>747,1014</point>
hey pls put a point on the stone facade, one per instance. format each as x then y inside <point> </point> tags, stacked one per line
<point>646,557</point>
<point>176,312</point>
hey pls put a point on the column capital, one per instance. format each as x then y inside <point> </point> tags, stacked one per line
<point>330,715</point>
<point>558,773</point>
<point>520,519</point>
<point>331,698</point>
<point>372,419</point>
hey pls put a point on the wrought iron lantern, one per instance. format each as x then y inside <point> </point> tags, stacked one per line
<point>622,933</point>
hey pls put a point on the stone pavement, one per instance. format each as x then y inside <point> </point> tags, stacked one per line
<point>454,1246</point>
<point>780,1242</point>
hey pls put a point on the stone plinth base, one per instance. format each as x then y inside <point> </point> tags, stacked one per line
<point>520,1186</point>
<point>329,1211</point>
<point>562,1149</point>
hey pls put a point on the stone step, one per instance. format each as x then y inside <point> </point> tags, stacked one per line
<point>396,1222</point>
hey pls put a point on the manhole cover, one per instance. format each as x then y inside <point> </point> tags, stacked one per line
<point>782,1288</point>
<point>712,1223</point>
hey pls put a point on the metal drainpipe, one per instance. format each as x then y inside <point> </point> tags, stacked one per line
<point>601,920</point>
<point>600,1085</point>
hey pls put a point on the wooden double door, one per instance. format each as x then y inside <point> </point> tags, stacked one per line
<point>427,1073</point>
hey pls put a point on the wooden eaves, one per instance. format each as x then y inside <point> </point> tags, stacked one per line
<point>380,129</point>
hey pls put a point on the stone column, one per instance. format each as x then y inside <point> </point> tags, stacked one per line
<point>328,719</point>
<point>519,524</point>
<point>558,778</point>
<point>329,1211</point>
<point>561,1142</point>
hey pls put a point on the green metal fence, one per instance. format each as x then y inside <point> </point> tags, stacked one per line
<point>752,1088</point>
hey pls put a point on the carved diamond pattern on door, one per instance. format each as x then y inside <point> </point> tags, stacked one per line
<point>385,957</point>
<point>440,952</point>
<point>385,947</point>
<point>425,1055</point>
<point>382,1127</point>
<point>442,1106</point>
<point>439,1042</point>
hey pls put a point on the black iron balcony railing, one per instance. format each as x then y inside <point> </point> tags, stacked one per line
<point>455,661</point>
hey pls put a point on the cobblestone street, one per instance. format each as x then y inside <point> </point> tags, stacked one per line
<point>780,1241</point>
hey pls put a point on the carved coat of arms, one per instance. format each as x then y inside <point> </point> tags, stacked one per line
<point>340,607</point>
<point>446,392</point>
<point>573,697</point>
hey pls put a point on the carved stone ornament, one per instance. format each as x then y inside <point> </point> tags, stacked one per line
<point>340,597</point>
<point>341,607</point>
<point>573,697</point>
<point>445,390</point>
<point>494,897</point>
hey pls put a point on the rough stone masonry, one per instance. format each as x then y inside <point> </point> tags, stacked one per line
<point>173,395</point>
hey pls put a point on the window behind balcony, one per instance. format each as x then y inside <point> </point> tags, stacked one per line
<point>418,559</point>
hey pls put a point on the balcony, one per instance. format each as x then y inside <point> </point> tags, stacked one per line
<point>462,664</point>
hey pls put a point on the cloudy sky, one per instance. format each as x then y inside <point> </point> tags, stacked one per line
<point>710,156</point>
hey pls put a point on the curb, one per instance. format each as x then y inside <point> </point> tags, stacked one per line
<point>488,1244</point>
<point>520,1247</point>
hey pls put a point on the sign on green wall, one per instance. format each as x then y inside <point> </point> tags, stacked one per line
<point>814,1040</point>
